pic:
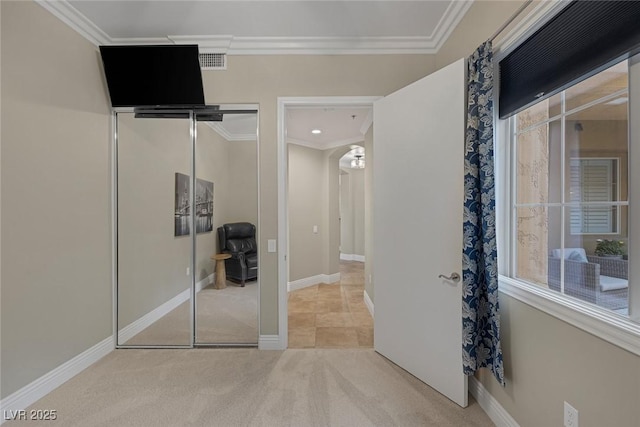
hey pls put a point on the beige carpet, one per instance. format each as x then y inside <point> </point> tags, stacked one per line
<point>225,316</point>
<point>248,387</point>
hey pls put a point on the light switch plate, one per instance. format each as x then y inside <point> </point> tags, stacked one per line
<point>271,245</point>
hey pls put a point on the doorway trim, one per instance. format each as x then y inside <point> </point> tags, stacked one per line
<point>283,201</point>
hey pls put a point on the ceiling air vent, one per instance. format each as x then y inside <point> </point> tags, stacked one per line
<point>213,61</point>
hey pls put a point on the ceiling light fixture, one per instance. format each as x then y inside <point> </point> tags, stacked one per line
<point>316,131</point>
<point>358,162</point>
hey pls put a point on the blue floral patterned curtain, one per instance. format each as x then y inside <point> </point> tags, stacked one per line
<point>480,310</point>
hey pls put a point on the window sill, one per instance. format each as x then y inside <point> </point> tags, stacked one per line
<point>618,330</point>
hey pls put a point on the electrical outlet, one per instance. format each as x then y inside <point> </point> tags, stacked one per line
<point>570,416</point>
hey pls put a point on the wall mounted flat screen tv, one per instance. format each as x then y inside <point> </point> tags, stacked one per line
<point>153,75</point>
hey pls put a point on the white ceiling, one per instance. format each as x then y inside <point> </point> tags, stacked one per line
<point>270,26</point>
<point>339,125</point>
<point>144,18</point>
<point>240,27</point>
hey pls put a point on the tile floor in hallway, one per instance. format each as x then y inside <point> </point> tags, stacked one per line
<point>332,315</point>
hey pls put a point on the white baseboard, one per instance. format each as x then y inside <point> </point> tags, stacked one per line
<point>330,278</point>
<point>137,326</point>
<point>209,280</point>
<point>313,280</point>
<point>36,390</point>
<point>493,408</point>
<point>352,257</point>
<point>270,342</point>
<point>368,303</point>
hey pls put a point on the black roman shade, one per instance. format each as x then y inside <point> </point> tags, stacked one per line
<point>580,40</point>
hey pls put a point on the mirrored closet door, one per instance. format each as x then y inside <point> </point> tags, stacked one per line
<point>153,240</point>
<point>186,273</point>
<point>227,219</point>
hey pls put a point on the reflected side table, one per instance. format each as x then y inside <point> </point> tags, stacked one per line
<point>221,272</point>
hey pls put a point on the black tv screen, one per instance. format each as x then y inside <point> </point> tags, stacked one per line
<point>153,75</point>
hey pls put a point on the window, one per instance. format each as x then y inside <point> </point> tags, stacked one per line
<point>570,175</point>
<point>571,111</point>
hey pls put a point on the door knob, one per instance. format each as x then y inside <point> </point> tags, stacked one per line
<point>454,276</point>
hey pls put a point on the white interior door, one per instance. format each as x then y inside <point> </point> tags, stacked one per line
<point>418,150</point>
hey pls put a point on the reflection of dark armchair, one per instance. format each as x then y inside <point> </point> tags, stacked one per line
<point>239,240</point>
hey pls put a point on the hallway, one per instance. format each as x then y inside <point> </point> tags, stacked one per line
<point>332,315</point>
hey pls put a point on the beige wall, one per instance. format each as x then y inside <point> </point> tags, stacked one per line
<point>152,263</point>
<point>313,199</point>
<point>56,239</point>
<point>346,214</point>
<point>368,215</point>
<point>352,212</point>
<point>548,361</point>
<point>357,194</point>
<point>213,154</point>
<point>241,199</point>
<point>307,208</point>
<point>332,261</point>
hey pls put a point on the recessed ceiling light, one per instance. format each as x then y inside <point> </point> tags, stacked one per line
<point>316,131</point>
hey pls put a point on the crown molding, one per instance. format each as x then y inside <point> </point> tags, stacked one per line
<point>231,45</point>
<point>140,40</point>
<point>529,24</point>
<point>223,132</point>
<point>449,21</point>
<point>73,18</point>
<point>326,145</point>
<point>331,45</point>
<point>206,44</point>
<point>307,144</point>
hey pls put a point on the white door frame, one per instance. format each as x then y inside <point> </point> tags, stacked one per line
<point>283,202</point>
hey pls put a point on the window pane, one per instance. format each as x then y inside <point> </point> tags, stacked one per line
<point>540,112</point>
<point>538,230</point>
<point>605,83</point>
<point>538,164</point>
<point>598,132</point>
